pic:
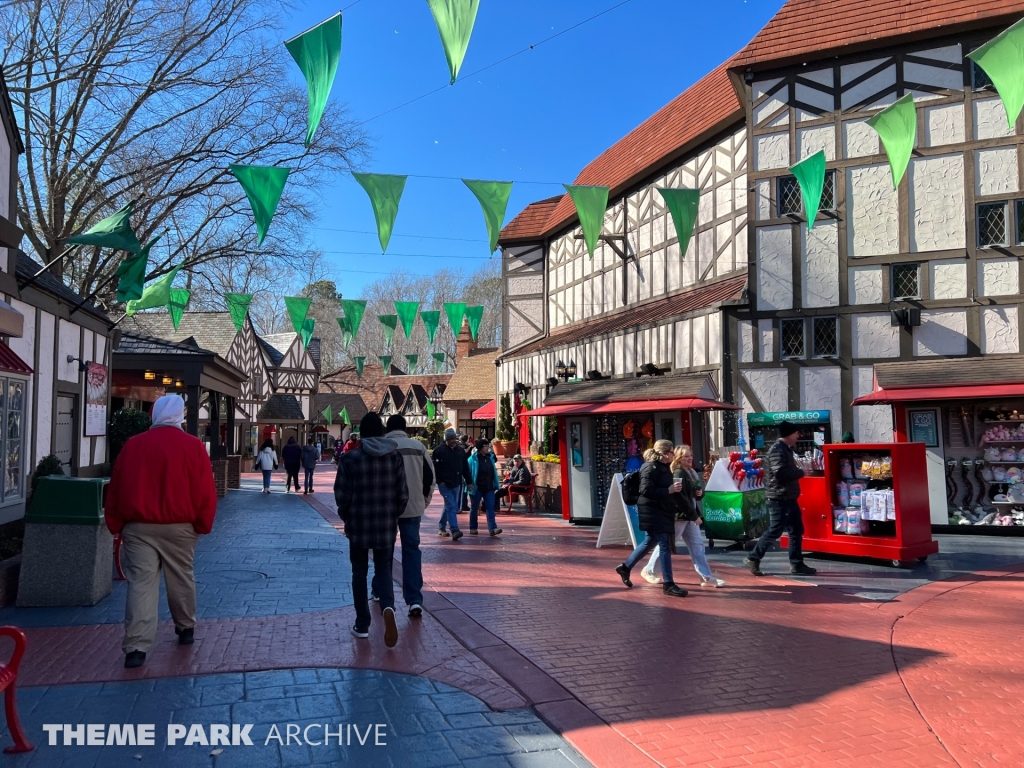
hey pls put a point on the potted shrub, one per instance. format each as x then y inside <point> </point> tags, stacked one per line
<point>505,432</point>
<point>125,424</point>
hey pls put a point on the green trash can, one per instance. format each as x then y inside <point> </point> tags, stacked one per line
<point>68,554</point>
<point>739,516</point>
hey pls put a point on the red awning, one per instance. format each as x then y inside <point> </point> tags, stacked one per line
<point>485,411</point>
<point>11,363</point>
<point>910,394</point>
<point>633,406</point>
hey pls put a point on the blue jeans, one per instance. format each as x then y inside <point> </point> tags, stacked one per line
<point>412,560</point>
<point>664,542</point>
<point>688,531</point>
<point>474,507</point>
<point>452,501</point>
<point>266,478</point>
<point>383,587</point>
<point>784,516</point>
<point>308,479</point>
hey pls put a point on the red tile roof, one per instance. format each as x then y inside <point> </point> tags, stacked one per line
<point>697,298</point>
<point>705,108</point>
<point>808,29</point>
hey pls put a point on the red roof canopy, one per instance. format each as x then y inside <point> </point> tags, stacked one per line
<point>485,411</point>
<point>11,363</point>
<point>960,392</point>
<point>632,406</point>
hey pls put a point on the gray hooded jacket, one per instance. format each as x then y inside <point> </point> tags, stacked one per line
<point>371,491</point>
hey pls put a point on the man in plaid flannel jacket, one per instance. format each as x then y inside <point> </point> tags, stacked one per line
<point>371,492</point>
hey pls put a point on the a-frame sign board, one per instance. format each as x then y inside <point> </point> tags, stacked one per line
<point>621,522</point>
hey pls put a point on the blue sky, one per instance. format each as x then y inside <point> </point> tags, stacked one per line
<point>540,117</point>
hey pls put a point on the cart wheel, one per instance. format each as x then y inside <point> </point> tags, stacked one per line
<point>923,559</point>
<point>898,563</point>
<point>711,543</point>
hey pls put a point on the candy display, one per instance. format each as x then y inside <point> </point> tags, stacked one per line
<point>747,470</point>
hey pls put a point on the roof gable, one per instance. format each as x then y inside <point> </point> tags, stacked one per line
<point>475,378</point>
<point>210,330</point>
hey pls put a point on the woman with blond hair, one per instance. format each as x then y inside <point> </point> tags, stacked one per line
<point>688,520</point>
<point>657,507</point>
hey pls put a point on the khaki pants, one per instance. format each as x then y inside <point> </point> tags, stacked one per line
<point>147,548</point>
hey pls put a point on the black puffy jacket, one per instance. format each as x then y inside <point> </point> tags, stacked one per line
<point>656,506</point>
<point>781,474</point>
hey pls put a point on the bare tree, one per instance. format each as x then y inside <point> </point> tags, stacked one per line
<point>151,100</point>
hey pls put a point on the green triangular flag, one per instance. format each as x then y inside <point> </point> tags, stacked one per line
<point>407,314</point>
<point>353,309</point>
<point>493,197</point>
<point>385,193</point>
<point>385,364</point>
<point>810,175</point>
<point>438,361</point>
<point>326,413</point>
<point>683,205</point>
<point>896,126</point>
<point>344,416</point>
<point>412,360</point>
<point>298,308</point>
<point>1002,59</point>
<point>306,332</point>
<point>156,294</point>
<point>360,362</point>
<point>238,306</point>
<point>430,410</point>
<point>390,322</point>
<point>263,186</point>
<point>455,310</point>
<point>431,320</point>
<point>346,331</point>
<point>177,304</point>
<point>591,204</point>
<point>317,53</point>
<point>474,315</point>
<point>132,274</point>
<point>454,19</point>
<point>115,232</point>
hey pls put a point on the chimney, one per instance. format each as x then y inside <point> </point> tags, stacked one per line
<point>464,344</point>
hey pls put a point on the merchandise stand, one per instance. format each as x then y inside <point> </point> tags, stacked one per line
<point>901,536</point>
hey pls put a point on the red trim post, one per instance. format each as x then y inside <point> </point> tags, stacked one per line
<point>899,428</point>
<point>563,451</point>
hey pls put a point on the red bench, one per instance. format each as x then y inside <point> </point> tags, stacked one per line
<point>526,491</point>
<point>8,679</point>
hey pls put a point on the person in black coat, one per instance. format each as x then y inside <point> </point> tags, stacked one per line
<point>291,455</point>
<point>657,507</point>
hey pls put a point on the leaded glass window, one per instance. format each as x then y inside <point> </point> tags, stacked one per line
<point>826,337</point>
<point>982,82</point>
<point>12,419</point>
<point>906,281</point>
<point>992,225</point>
<point>792,334</point>
<point>791,202</point>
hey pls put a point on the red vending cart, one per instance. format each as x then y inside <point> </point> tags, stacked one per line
<point>871,502</point>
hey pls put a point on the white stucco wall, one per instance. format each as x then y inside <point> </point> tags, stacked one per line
<point>859,139</point>
<point>942,332</point>
<point>775,267</point>
<point>948,278</point>
<point>872,223</point>
<point>44,385</point>
<point>990,119</point>
<point>820,264</point>
<point>745,341</point>
<point>763,199</point>
<point>873,336</point>
<point>69,336</point>
<point>999,331</point>
<point>820,138</point>
<point>699,340</point>
<point>865,285</point>
<point>766,339</point>
<point>683,354</point>
<point>771,151</point>
<point>883,80</point>
<point>770,386</point>
<point>944,125</point>
<point>998,277</point>
<point>821,389</point>
<point>871,423</point>
<point>937,203</point>
<point>996,171</point>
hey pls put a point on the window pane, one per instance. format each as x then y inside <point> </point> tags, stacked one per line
<point>980,79</point>
<point>14,389</point>
<point>828,192</point>
<point>789,196</point>
<point>905,281</point>
<point>792,332</point>
<point>826,337</point>
<point>12,479</point>
<point>1020,221</point>
<point>992,224</point>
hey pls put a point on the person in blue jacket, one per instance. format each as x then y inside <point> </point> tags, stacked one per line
<point>483,470</point>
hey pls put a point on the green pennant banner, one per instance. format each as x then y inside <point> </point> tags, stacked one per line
<point>493,197</point>
<point>385,193</point>
<point>810,175</point>
<point>407,314</point>
<point>298,308</point>
<point>431,319</point>
<point>683,205</point>
<point>307,331</point>
<point>263,186</point>
<point>412,360</point>
<point>344,416</point>
<point>115,232</point>
<point>177,304</point>
<point>438,361</point>
<point>360,362</point>
<point>238,306</point>
<point>1002,59</point>
<point>346,331</point>
<point>390,322</point>
<point>326,413</point>
<point>455,311</point>
<point>385,364</point>
<point>156,294</point>
<point>896,126</point>
<point>474,315</point>
<point>455,20</point>
<point>132,274</point>
<point>353,309</point>
<point>430,410</point>
<point>317,52</point>
<point>591,204</point>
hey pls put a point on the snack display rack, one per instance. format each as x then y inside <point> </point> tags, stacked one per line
<point>872,501</point>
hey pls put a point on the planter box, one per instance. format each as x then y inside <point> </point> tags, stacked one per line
<point>235,471</point>
<point>547,495</point>
<point>220,476</point>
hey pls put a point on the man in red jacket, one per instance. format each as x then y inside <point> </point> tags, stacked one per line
<point>161,498</point>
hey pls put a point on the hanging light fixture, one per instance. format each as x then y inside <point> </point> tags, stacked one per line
<point>560,371</point>
<point>149,376</point>
<point>571,370</point>
<point>179,384</point>
<point>166,381</point>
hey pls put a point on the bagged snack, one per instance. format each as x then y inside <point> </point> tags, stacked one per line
<point>853,521</point>
<point>839,519</point>
<point>856,489</point>
<point>843,494</point>
<point>846,469</point>
<point>890,505</point>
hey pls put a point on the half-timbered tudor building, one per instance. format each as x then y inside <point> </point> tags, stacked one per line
<point>294,373</point>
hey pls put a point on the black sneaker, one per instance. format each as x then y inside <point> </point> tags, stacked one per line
<point>672,590</point>
<point>802,569</point>
<point>134,659</point>
<point>456,535</point>
<point>390,628</point>
<point>442,533</point>
<point>496,532</point>
<point>374,597</point>
<point>361,633</point>
<point>186,636</point>
<point>623,571</point>
<point>753,565</point>
<point>473,531</point>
